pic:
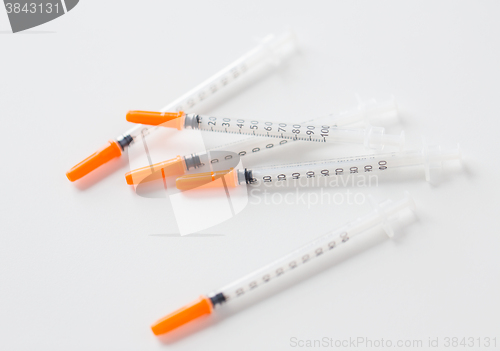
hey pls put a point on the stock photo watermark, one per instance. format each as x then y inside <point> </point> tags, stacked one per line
<point>263,195</point>
<point>366,342</point>
<point>298,197</point>
<point>26,14</point>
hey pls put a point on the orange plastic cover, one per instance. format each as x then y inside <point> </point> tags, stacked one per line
<point>174,166</point>
<point>183,315</point>
<point>154,118</point>
<point>206,180</point>
<point>94,161</point>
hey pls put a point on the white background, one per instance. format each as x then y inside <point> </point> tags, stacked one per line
<point>90,266</point>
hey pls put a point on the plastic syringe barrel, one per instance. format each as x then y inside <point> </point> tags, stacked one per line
<point>273,48</point>
<point>430,157</point>
<point>385,213</point>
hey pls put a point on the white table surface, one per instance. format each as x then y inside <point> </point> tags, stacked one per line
<point>90,265</point>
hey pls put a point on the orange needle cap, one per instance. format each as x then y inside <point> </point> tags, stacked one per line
<point>152,118</point>
<point>183,315</point>
<point>174,166</point>
<point>94,161</point>
<point>206,180</point>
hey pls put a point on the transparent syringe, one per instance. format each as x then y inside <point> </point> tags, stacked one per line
<point>430,157</point>
<point>279,130</point>
<point>371,110</point>
<point>384,214</point>
<point>271,50</point>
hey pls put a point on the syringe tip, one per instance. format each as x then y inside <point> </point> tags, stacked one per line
<point>183,315</point>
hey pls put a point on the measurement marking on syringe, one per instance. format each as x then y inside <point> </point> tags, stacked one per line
<point>266,277</point>
<point>282,173</point>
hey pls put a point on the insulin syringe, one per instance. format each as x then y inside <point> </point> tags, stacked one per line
<point>278,130</point>
<point>384,214</point>
<point>366,112</point>
<point>430,157</point>
<point>271,50</point>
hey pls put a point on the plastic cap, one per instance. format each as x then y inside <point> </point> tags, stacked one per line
<point>206,180</point>
<point>174,166</point>
<point>183,315</point>
<point>152,118</point>
<point>94,161</point>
